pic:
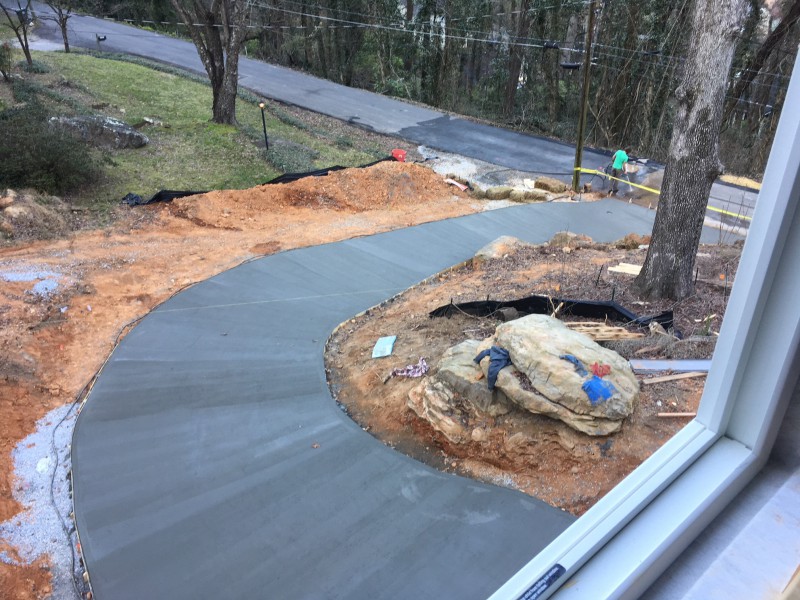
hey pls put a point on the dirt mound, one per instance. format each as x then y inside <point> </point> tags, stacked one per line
<point>26,216</point>
<point>387,185</point>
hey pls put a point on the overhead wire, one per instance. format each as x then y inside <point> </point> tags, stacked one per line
<point>501,38</point>
<point>649,59</point>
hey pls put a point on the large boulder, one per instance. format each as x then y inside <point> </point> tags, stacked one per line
<point>433,401</point>
<point>499,248</point>
<point>105,132</point>
<point>540,381</point>
<point>454,392</point>
<point>458,370</point>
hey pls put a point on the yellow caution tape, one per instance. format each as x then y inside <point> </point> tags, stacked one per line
<point>730,214</point>
<point>607,176</point>
<point>654,191</point>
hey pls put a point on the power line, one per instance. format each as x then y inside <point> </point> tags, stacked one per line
<point>652,59</point>
<point>499,41</point>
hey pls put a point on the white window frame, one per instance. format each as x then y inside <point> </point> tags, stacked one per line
<point>623,543</point>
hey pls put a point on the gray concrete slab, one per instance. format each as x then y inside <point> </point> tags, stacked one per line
<point>194,467</point>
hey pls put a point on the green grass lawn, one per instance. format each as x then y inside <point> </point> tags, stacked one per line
<point>190,152</point>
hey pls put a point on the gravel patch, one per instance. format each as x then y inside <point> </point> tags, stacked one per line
<point>477,171</point>
<point>42,486</point>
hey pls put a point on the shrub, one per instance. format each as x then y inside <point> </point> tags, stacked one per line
<point>35,155</point>
<point>35,67</point>
<point>290,157</point>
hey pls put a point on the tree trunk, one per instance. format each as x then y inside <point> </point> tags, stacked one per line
<point>20,29</point>
<point>217,28</point>
<point>62,10</point>
<point>224,107</point>
<point>63,24</point>
<point>693,161</point>
<point>63,19</point>
<point>26,49</point>
<point>516,55</point>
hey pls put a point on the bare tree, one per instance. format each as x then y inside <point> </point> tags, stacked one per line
<point>62,11</point>
<point>516,56</point>
<point>217,28</point>
<point>21,25</point>
<point>693,161</point>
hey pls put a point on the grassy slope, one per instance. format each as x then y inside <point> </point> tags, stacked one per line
<point>192,153</point>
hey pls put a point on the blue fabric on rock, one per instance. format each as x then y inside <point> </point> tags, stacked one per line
<point>498,359</point>
<point>598,389</point>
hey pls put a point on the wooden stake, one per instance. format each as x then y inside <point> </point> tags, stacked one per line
<point>674,377</point>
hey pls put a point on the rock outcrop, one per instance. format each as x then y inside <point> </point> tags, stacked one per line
<point>454,392</point>
<point>104,132</point>
<point>499,248</point>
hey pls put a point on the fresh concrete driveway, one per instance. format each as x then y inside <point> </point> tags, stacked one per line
<point>196,470</point>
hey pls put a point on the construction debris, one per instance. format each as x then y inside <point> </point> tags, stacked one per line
<point>676,377</point>
<point>383,347</point>
<point>626,268</point>
<point>600,332</point>
<point>682,366</point>
<point>460,186</point>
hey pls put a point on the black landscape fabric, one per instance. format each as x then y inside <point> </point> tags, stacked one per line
<point>168,195</point>
<point>591,309</point>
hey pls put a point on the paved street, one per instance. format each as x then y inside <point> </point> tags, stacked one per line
<point>414,123</point>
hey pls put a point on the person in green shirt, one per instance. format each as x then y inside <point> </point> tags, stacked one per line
<point>618,167</point>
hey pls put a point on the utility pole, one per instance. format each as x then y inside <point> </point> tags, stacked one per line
<point>587,62</point>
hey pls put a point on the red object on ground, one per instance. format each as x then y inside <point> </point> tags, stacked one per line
<point>601,370</point>
<point>399,155</point>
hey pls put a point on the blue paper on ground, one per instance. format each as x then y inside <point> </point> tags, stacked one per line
<point>383,347</point>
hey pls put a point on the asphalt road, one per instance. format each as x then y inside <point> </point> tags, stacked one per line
<point>510,149</point>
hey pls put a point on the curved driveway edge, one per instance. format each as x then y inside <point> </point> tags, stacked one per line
<point>194,470</point>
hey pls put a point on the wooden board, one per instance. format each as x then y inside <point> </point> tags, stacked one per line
<point>600,332</point>
<point>626,268</point>
<point>674,377</point>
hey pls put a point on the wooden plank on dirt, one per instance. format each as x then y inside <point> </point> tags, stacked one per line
<point>600,332</point>
<point>683,366</point>
<point>677,415</point>
<point>674,377</point>
<point>626,268</point>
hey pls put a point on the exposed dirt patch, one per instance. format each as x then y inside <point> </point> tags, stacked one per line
<point>63,303</point>
<point>535,454</point>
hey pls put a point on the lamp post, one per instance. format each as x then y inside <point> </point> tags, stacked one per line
<point>261,105</point>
